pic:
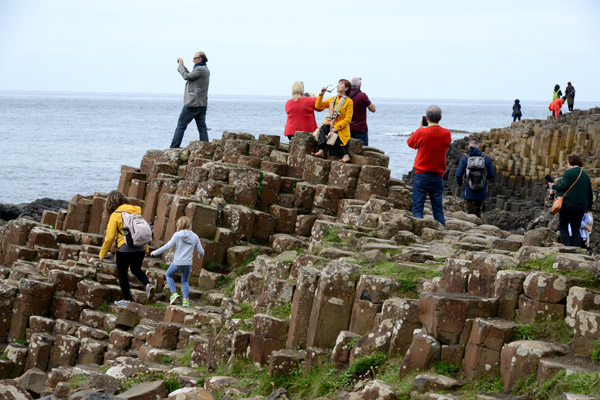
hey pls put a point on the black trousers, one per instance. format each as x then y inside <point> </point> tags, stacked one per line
<point>125,261</point>
<point>337,149</point>
<point>571,213</point>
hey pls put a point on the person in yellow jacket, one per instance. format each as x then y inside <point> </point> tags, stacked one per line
<point>335,132</point>
<point>126,256</point>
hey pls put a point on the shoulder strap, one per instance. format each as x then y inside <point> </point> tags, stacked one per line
<point>573,184</point>
<point>355,93</point>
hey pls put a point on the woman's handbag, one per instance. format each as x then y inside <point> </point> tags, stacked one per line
<point>331,138</point>
<point>558,202</point>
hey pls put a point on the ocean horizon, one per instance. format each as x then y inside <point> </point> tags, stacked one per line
<point>58,144</point>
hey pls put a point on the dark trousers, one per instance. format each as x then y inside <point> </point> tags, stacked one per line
<point>337,149</point>
<point>133,260</point>
<point>474,207</point>
<point>362,136</point>
<point>571,213</point>
<point>428,183</point>
<point>516,117</point>
<point>186,116</point>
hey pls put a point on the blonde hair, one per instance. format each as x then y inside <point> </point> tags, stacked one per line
<point>297,90</point>
<point>183,223</point>
<point>113,201</point>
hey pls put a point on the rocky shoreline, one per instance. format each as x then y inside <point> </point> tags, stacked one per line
<point>317,282</point>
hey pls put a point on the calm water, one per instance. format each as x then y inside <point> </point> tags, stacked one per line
<point>59,144</point>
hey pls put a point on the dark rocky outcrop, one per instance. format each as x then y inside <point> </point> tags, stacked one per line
<point>33,210</point>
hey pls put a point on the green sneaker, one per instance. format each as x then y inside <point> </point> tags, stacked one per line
<point>174,298</point>
<point>186,303</point>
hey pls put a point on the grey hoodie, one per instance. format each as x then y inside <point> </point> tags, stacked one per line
<point>185,241</point>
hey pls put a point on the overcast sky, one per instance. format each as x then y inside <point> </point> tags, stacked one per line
<point>406,49</point>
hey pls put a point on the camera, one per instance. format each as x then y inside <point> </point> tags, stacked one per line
<point>424,122</point>
<point>548,179</point>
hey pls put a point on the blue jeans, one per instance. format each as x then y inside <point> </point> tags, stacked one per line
<point>186,116</point>
<point>185,278</point>
<point>432,184</point>
<point>362,136</point>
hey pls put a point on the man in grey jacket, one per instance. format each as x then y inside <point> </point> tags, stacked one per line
<point>195,98</point>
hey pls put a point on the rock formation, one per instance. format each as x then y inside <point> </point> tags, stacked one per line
<point>302,255</point>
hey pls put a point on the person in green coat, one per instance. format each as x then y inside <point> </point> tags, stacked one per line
<point>557,92</point>
<point>576,202</point>
<point>570,95</point>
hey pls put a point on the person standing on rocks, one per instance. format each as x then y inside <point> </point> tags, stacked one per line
<point>517,111</point>
<point>358,127</point>
<point>577,200</point>
<point>195,98</point>
<point>127,257</point>
<point>557,92</point>
<point>431,142</point>
<point>570,95</point>
<point>555,107</point>
<point>474,170</point>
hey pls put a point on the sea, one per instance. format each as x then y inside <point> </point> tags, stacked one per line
<point>56,145</point>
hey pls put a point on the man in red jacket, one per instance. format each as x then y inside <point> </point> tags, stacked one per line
<point>431,142</point>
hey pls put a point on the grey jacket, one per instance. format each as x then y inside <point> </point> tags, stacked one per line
<point>196,87</point>
<point>185,242</point>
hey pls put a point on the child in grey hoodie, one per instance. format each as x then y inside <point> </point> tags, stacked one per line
<point>185,241</point>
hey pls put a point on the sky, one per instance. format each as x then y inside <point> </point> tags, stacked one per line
<point>401,49</point>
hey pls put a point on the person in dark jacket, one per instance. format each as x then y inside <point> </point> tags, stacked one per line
<point>570,95</point>
<point>576,202</point>
<point>556,93</point>
<point>474,198</point>
<point>516,110</point>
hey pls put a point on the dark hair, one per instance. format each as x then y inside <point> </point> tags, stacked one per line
<point>575,159</point>
<point>556,87</point>
<point>202,55</point>
<point>474,139</point>
<point>348,85</point>
<point>517,101</point>
<point>434,114</point>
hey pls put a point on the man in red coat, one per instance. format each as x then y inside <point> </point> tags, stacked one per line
<point>555,106</point>
<point>432,142</point>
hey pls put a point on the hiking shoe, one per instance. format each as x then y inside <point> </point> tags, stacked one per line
<point>150,292</point>
<point>174,298</point>
<point>186,303</point>
<point>122,303</point>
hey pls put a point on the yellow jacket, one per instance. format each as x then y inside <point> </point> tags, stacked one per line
<point>115,228</point>
<point>342,122</point>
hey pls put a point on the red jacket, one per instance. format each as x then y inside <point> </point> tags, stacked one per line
<point>431,143</point>
<point>301,115</point>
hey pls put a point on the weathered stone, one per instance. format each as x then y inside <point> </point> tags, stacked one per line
<point>332,305</point>
<point>276,292</point>
<point>372,180</point>
<point>237,255</point>
<point>282,242</point>
<point>283,362</point>
<point>91,351</point>
<point>433,382</point>
<point>378,390</point>
<point>581,299</point>
<point>12,390</point>
<point>64,351</point>
<point>33,381</point>
<point>285,218</point>
<point>208,280</point>
<point>376,341</point>
<point>540,237</point>
<point>444,315</point>
<point>549,288</point>
<point>240,220</point>
<point>533,310</point>
<point>587,332</point>
<point>316,170</point>
<point>520,359</point>
<point>423,351</point>
<point>371,292</point>
<point>482,276</point>
<point>455,276</point>
<point>40,345</point>
<point>146,391</point>
<point>482,353</point>
<point>508,286</point>
<point>327,199</point>
<point>164,336</point>
<point>204,219</point>
<point>306,286</point>
<point>343,346</point>
<point>248,287</point>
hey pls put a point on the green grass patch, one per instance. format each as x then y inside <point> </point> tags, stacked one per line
<point>364,367</point>
<point>77,381</point>
<point>590,277</point>
<point>251,257</point>
<point>20,341</point>
<point>162,307</point>
<point>553,388</point>
<point>167,359</point>
<point>247,311</point>
<point>408,278</point>
<point>446,368</point>
<point>332,235</point>
<point>596,352</point>
<point>171,380</point>
<point>555,330</point>
<point>3,356</point>
<point>282,311</point>
<point>103,307</point>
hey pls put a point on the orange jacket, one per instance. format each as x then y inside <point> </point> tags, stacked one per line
<point>555,106</point>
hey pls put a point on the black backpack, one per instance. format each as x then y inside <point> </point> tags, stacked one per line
<point>476,173</point>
